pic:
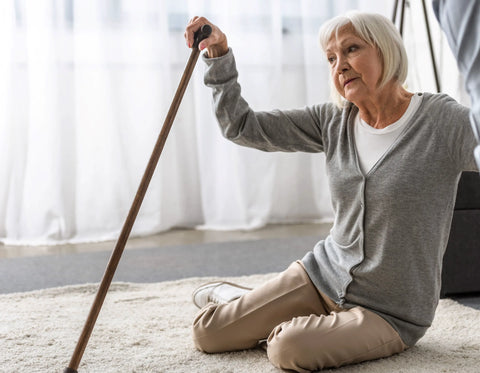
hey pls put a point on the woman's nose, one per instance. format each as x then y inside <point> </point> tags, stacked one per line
<point>342,65</point>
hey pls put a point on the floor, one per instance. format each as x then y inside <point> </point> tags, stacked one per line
<point>172,238</point>
<point>28,259</point>
<point>168,256</point>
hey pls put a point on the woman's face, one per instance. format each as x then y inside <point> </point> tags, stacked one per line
<point>355,66</point>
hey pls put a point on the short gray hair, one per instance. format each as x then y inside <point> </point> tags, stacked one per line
<point>377,31</point>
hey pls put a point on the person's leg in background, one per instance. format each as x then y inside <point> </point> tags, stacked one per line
<point>460,21</point>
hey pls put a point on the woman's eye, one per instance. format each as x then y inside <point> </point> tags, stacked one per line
<point>331,59</point>
<point>352,48</point>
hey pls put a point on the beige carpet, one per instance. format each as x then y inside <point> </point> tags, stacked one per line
<point>146,328</point>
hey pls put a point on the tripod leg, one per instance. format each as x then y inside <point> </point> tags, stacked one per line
<point>432,54</point>
<point>132,214</point>
<point>402,16</point>
<point>394,13</point>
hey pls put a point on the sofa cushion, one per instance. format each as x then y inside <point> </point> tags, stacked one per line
<point>468,195</point>
<point>461,262</point>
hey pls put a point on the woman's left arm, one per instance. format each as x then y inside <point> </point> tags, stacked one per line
<point>459,134</point>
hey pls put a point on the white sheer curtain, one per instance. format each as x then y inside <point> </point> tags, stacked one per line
<point>84,89</point>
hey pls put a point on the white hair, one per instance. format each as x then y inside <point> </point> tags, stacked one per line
<point>377,31</point>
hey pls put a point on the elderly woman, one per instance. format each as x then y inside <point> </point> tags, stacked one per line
<point>393,158</point>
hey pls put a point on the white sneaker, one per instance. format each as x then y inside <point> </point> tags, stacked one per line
<point>217,292</point>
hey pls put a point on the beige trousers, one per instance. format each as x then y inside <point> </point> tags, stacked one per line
<point>304,329</point>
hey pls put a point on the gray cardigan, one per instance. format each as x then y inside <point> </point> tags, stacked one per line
<point>391,225</point>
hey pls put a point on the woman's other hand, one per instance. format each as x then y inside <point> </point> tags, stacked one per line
<point>216,43</point>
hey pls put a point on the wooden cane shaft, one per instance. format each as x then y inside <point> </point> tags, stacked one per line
<point>132,214</point>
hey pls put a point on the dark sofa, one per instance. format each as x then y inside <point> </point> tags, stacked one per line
<point>461,263</point>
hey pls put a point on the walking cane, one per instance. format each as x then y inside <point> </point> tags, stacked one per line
<point>201,34</point>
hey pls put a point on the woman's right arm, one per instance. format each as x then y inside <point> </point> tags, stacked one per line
<point>277,130</point>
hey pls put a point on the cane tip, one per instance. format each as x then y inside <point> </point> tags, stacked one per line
<point>69,370</point>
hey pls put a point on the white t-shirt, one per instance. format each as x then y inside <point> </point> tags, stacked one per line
<point>373,143</point>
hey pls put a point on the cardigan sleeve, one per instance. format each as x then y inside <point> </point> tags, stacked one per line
<point>277,130</point>
<point>458,133</point>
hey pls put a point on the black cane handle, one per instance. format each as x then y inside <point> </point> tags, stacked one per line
<point>201,34</point>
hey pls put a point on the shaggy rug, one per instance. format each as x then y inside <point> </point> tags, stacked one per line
<point>146,328</point>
